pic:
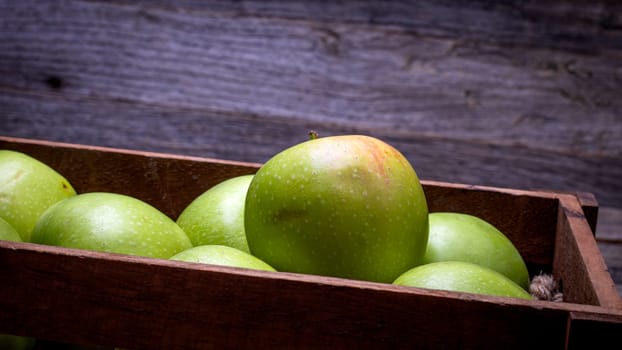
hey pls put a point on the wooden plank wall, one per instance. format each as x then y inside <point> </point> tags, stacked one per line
<point>522,94</point>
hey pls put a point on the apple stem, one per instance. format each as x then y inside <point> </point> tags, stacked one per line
<point>312,134</point>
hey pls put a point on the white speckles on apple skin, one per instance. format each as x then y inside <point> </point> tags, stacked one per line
<point>337,203</point>
<point>462,277</point>
<point>27,188</point>
<point>457,236</point>
<point>222,255</point>
<point>216,217</point>
<point>109,222</point>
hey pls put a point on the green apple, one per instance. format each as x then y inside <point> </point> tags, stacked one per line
<point>461,276</point>
<point>8,233</point>
<point>348,206</point>
<point>14,342</point>
<point>217,215</point>
<point>463,237</point>
<point>110,222</point>
<point>27,188</point>
<point>222,255</point>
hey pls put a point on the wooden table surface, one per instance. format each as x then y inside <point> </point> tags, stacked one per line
<point>513,94</point>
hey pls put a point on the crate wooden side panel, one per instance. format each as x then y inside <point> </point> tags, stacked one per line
<point>589,206</point>
<point>578,261</point>
<point>586,330</point>
<point>530,219</point>
<point>168,182</point>
<point>109,299</point>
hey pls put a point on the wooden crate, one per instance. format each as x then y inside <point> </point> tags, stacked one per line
<point>135,302</point>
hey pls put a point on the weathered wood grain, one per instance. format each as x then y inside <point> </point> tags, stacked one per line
<point>609,227</point>
<point>327,72</point>
<point>609,238</point>
<point>612,252</point>
<point>260,68</point>
<point>251,138</point>
<point>573,25</point>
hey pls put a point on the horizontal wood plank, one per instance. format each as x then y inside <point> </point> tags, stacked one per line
<point>612,252</point>
<point>326,72</point>
<point>609,227</point>
<point>245,137</point>
<point>218,74</point>
<point>194,305</point>
<point>609,238</point>
<point>585,329</point>
<point>573,25</point>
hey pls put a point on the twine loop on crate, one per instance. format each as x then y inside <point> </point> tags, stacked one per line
<point>544,287</point>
